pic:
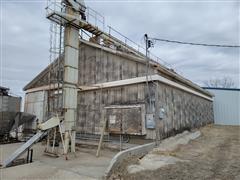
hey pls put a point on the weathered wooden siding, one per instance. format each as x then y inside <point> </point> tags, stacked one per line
<point>182,110</point>
<point>55,74</point>
<point>98,66</point>
<point>90,104</point>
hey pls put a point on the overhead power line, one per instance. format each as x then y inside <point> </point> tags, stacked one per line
<point>196,44</point>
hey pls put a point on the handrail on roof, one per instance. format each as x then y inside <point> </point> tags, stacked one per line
<point>97,19</point>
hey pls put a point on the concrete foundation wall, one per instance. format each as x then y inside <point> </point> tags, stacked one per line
<point>137,151</point>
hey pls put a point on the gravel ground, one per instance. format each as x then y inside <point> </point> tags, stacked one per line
<point>213,156</point>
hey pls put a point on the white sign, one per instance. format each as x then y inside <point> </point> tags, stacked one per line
<point>112,119</point>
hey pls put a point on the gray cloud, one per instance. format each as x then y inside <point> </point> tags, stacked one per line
<point>25,40</point>
<point>202,22</point>
<point>24,44</point>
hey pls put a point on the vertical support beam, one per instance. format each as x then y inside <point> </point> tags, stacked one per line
<point>71,51</point>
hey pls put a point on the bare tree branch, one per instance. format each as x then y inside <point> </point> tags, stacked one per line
<point>225,82</point>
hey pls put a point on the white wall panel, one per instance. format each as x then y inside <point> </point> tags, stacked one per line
<point>226,106</point>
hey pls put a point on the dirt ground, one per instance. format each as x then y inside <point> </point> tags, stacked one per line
<point>215,155</point>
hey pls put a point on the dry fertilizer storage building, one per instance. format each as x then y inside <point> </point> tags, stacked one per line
<point>136,100</point>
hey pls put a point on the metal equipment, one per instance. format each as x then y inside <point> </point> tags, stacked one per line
<point>70,10</point>
<point>43,130</point>
<point>9,106</point>
<point>23,148</point>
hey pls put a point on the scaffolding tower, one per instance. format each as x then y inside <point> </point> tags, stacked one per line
<point>56,52</point>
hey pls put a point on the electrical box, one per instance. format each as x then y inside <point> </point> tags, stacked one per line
<point>161,113</point>
<point>150,122</point>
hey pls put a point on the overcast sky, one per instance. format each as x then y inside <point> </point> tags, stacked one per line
<point>25,36</point>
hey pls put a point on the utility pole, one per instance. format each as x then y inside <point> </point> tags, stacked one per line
<point>148,44</point>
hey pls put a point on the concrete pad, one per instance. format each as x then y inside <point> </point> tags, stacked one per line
<point>39,170</point>
<point>83,165</point>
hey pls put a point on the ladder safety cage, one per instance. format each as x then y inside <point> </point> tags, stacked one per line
<point>56,51</point>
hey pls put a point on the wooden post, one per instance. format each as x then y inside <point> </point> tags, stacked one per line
<point>54,139</point>
<point>104,119</point>
<point>63,144</point>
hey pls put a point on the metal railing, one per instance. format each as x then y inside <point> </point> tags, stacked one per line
<point>53,5</point>
<point>128,42</point>
<point>95,18</point>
